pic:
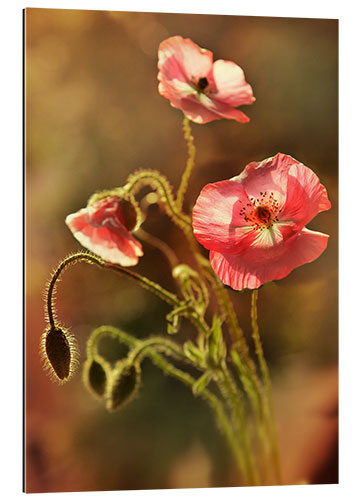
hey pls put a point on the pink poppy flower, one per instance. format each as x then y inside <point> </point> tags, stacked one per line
<point>204,90</point>
<point>104,228</point>
<point>254,224</point>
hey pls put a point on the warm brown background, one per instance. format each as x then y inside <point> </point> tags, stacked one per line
<point>93,115</point>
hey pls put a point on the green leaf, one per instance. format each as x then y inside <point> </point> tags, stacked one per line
<point>216,348</point>
<point>201,383</point>
<point>194,354</point>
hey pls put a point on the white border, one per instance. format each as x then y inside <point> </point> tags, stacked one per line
<point>11,54</point>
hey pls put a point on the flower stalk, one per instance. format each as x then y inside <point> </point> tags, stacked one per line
<point>269,406</point>
<point>161,185</point>
<point>190,162</point>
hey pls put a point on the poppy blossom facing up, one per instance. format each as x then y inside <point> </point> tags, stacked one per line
<point>204,90</point>
<point>254,224</point>
<point>104,228</point>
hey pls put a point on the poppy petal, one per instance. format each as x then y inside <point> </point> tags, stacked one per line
<point>247,271</point>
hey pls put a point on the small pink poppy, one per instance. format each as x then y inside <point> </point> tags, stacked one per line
<point>204,90</point>
<point>254,224</point>
<point>104,228</point>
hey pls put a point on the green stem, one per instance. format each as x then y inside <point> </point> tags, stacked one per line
<point>89,258</point>
<point>257,402</point>
<point>224,301</point>
<point>189,165</point>
<point>239,341</point>
<point>159,183</point>
<point>240,354</point>
<point>124,337</point>
<point>71,259</point>
<point>230,391</point>
<point>267,382</point>
<point>165,295</point>
<point>222,420</point>
<point>159,343</point>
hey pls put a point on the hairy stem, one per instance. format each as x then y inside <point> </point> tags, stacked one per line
<point>149,349</point>
<point>222,421</point>
<point>190,162</point>
<point>165,295</point>
<point>160,184</point>
<point>267,382</point>
<point>234,400</point>
<point>158,343</point>
<point>89,258</point>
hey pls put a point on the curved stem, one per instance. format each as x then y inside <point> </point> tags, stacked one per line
<point>222,420</point>
<point>159,183</point>
<point>190,162</point>
<point>267,382</point>
<point>71,259</point>
<point>165,295</point>
<point>124,337</point>
<point>159,343</point>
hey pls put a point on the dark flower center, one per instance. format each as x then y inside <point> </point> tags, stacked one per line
<point>202,84</point>
<point>263,213</point>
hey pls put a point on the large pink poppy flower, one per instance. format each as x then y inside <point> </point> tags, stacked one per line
<point>104,228</point>
<point>254,224</point>
<point>204,90</point>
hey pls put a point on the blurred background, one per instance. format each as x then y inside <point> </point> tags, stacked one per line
<point>93,116</point>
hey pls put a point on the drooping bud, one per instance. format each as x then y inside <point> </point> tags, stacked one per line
<point>95,376</point>
<point>59,352</point>
<point>124,385</point>
<point>127,208</point>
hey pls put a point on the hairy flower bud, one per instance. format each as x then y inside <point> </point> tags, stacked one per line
<point>95,376</point>
<point>59,352</point>
<point>124,385</point>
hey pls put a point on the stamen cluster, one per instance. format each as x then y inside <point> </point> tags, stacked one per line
<point>261,213</point>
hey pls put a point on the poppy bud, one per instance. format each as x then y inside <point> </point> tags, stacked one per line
<point>105,228</point>
<point>124,385</point>
<point>59,352</point>
<point>95,376</point>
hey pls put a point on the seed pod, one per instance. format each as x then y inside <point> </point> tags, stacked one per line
<point>124,385</point>
<point>95,376</point>
<point>59,352</point>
